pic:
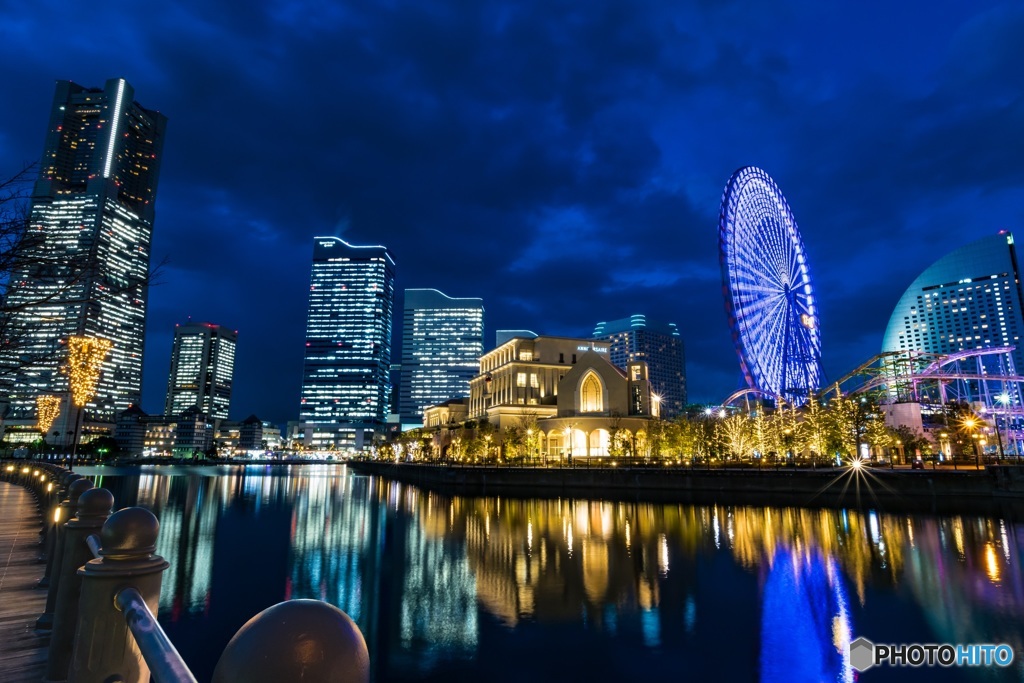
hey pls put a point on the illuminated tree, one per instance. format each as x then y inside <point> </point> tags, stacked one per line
<point>736,434</point>
<point>47,410</point>
<point>85,364</point>
<point>878,435</point>
<point>841,426</point>
<point>816,428</point>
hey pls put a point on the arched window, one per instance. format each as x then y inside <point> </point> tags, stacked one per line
<point>591,399</point>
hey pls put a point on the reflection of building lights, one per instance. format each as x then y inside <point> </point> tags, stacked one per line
<point>991,563</point>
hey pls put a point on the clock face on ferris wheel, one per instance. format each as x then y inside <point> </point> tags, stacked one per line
<point>767,286</point>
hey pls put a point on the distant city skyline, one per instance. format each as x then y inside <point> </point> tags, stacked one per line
<point>560,163</point>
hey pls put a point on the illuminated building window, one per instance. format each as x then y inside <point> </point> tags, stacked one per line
<point>590,394</point>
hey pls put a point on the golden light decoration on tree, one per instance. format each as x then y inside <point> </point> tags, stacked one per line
<point>47,410</point>
<point>85,362</point>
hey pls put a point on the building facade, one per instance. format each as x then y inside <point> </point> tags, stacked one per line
<point>526,371</point>
<point>86,259</point>
<point>659,345</point>
<point>968,299</point>
<point>202,370</point>
<point>554,397</point>
<point>345,383</point>
<point>442,341</point>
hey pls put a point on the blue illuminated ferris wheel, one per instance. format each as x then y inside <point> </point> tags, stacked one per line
<point>767,287</point>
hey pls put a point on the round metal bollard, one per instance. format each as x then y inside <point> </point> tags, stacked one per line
<point>51,577</point>
<point>104,647</point>
<point>93,509</point>
<point>298,640</point>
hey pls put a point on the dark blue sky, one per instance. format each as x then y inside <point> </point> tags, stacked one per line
<point>563,160</point>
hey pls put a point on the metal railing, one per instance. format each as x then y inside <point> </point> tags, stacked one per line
<point>157,649</point>
<point>103,586</point>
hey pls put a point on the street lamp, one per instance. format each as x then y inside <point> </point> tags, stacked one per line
<point>1004,400</point>
<point>529,441</point>
<point>945,449</point>
<point>970,424</point>
<point>568,439</point>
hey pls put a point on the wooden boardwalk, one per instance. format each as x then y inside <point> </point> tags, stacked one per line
<point>22,649</point>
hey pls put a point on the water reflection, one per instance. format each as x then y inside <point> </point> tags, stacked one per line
<point>459,588</point>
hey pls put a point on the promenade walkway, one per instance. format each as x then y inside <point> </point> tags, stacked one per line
<point>22,649</point>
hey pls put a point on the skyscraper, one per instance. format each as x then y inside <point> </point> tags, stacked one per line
<point>442,341</point>
<point>84,268</point>
<point>202,368</point>
<point>660,346</point>
<point>345,387</point>
<point>968,299</point>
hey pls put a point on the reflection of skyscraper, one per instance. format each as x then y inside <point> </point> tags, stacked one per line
<point>345,384</point>
<point>90,226</point>
<point>442,341</point>
<point>202,367</point>
<point>659,344</point>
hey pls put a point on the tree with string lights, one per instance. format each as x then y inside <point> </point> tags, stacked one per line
<point>47,411</point>
<point>85,364</point>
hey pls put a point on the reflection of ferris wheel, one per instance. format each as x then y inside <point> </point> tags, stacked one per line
<point>767,288</point>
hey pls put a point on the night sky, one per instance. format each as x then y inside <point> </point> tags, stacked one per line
<point>563,160</point>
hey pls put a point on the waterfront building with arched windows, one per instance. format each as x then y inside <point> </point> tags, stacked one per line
<point>564,393</point>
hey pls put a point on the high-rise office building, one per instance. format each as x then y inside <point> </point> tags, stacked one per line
<point>968,299</point>
<point>202,369</point>
<point>85,268</point>
<point>442,341</point>
<point>345,383</point>
<point>659,345</point>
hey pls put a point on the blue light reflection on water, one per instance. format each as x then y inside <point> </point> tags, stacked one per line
<point>466,588</point>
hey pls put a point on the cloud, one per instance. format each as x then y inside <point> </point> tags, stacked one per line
<point>562,160</point>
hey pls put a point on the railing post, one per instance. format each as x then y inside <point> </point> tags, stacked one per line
<point>54,490</point>
<point>93,509</point>
<point>105,649</point>
<point>297,640</point>
<point>75,489</point>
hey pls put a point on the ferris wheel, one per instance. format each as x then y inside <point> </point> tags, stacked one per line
<point>767,287</point>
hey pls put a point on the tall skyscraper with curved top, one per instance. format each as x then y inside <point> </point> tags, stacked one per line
<point>442,341</point>
<point>968,299</point>
<point>85,265</point>
<point>345,375</point>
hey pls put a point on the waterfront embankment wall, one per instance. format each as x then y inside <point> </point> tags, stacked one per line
<point>904,490</point>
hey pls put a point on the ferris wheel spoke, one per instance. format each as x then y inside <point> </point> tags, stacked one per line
<point>762,268</point>
<point>767,325</point>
